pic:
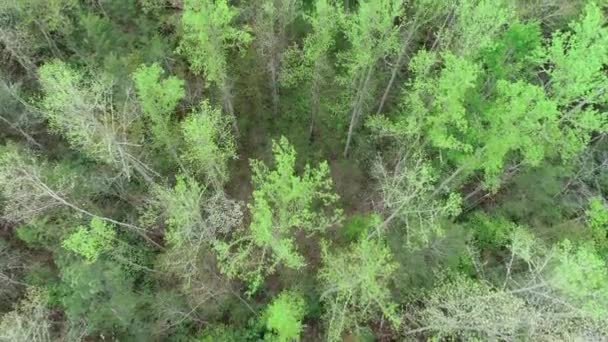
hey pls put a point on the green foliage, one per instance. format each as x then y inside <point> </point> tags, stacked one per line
<point>91,242</point>
<point>359,225</point>
<point>582,276</point>
<point>355,284</point>
<point>475,25</point>
<point>283,203</point>
<point>103,295</point>
<point>597,220</point>
<point>284,317</point>
<point>513,54</point>
<point>30,320</point>
<point>209,34</point>
<point>475,204</point>
<point>578,59</point>
<point>312,62</point>
<point>158,99</point>
<point>578,81</point>
<point>81,110</point>
<point>523,121</point>
<point>209,143</point>
<point>597,214</point>
<point>489,231</point>
<point>371,33</point>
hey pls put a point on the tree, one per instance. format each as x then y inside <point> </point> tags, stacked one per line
<point>597,220</point>
<point>34,188</point>
<point>474,309</point>
<point>312,65</point>
<point>158,99</point>
<point>473,25</point>
<point>12,267</point>
<point>283,204</point>
<point>23,181</point>
<point>355,286</point>
<point>284,317</point>
<point>408,199</point>
<point>92,242</point>
<point>31,29</point>
<point>209,34</point>
<point>195,219</point>
<point>372,35</point>
<point>30,319</point>
<point>82,110</point>
<point>209,144</point>
<point>417,15</point>
<point>101,298</point>
<point>518,124</point>
<point>556,293</point>
<point>271,19</point>
<point>578,83</point>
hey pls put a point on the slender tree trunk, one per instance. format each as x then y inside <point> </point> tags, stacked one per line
<point>396,68</point>
<point>357,109</point>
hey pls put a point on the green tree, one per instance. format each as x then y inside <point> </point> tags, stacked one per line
<point>283,204</point>
<point>597,220</point>
<point>311,66</point>
<point>556,293</point>
<point>284,317</point>
<point>271,20</point>
<point>209,143</point>
<point>91,242</point>
<point>209,35</point>
<point>30,319</point>
<point>474,25</point>
<point>578,82</point>
<point>100,297</point>
<point>408,193</point>
<point>81,109</point>
<point>372,35</point>
<point>158,99</point>
<point>355,286</point>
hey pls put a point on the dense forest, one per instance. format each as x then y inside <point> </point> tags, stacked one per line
<point>303,170</point>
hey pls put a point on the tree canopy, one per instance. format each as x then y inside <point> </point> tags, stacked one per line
<point>303,170</point>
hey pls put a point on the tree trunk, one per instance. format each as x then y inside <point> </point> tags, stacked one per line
<point>398,64</point>
<point>357,109</point>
